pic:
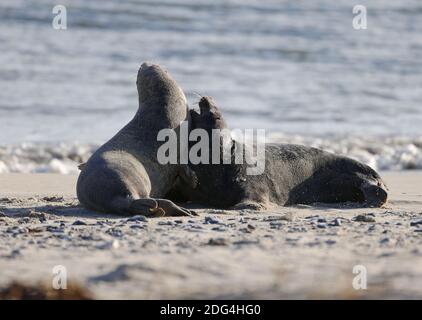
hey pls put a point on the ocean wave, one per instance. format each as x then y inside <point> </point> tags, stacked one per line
<point>397,153</point>
<point>389,153</point>
<point>61,158</point>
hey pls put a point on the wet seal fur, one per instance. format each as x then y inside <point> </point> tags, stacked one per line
<point>123,176</point>
<point>294,174</point>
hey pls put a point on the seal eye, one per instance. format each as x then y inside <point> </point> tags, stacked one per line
<point>359,195</point>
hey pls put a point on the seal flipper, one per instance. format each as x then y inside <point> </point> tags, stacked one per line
<point>146,207</point>
<point>173,210</point>
<point>163,208</point>
<point>150,207</point>
<point>249,205</point>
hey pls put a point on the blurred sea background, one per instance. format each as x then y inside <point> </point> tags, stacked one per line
<point>295,68</point>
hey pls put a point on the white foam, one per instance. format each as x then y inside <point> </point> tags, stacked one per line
<point>61,158</point>
<point>399,153</point>
<point>64,158</point>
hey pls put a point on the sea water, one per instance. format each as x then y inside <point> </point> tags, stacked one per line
<point>297,69</point>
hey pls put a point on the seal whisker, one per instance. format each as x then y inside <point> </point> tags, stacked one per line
<point>200,96</point>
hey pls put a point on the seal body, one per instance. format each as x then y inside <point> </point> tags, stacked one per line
<point>293,174</point>
<point>123,176</point>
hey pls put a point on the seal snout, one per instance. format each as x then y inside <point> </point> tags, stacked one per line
<point>147,64</point>
<point>375,193</point>
<point>149,70</point>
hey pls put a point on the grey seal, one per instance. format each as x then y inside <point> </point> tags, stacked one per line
<point>294,174</point>
<point>123,176</point>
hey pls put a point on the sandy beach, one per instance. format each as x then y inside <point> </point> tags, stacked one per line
<point>292,252</point>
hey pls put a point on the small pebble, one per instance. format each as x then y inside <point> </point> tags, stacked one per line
<point>79,223</point>
<point>364,218</point>
<point>416,223</point>
<point>217,242</point>
<point>246,242</point>
<point>195,226</point>
<point>14,253</point>
<point>297,229</point>
<point>384,240</point>
<point>278,218</point>
<point>386,254</point>
<point>335,223</point>
<point>311,217</point>
<point>115,244</point>
<point>53,199</point>
<point>372,227</point>
<point>275,225</point>
<point>115,232</point>
<point>54,229</point>
<point>137,218</point>
<point>211,220</point>
<point>165,223</point>
<point>17,230</point>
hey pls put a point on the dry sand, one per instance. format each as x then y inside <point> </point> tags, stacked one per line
<point>295,252</point>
